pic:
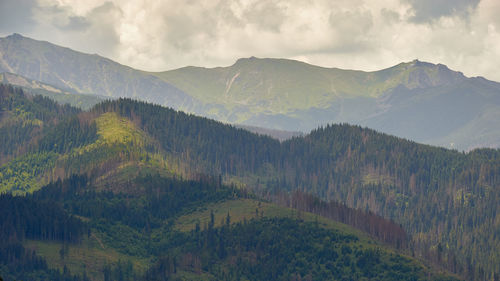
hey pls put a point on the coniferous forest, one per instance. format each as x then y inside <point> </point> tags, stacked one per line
<point>443,198</point>
<point>153,184</point>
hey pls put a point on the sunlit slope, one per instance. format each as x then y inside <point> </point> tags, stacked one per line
<point>279,86</point>
<point>282,86</point>
<point>118,145</point>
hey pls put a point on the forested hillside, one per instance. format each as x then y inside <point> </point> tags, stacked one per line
<point>22,117</point>
<point>130,215</point>
<point>143,230</point>
<point>446,201</point>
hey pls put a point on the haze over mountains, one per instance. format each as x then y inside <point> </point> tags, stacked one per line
<point>420,101</point>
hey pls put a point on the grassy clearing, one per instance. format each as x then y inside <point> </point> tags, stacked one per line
<point>242,209</point>
<point>115,129</point>
<point>90,256</point>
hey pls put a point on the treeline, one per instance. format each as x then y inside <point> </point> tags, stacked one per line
<point>159,198</point>
<point>138,221</point>
<point>42,108</point>
<point>34,130</point>
<point>440,197</point>
<point>19,263</point>
<point>382,229</point>
<point>24,218</point>
<point>68,134</point>
<point>23,116</point>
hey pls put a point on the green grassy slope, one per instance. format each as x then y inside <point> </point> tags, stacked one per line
<point>89,256</point>
<point>246,209</point>
<point>279,86</point>
<point>253,80</point>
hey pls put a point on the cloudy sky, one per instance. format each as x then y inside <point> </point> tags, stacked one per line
<point>358,34</point>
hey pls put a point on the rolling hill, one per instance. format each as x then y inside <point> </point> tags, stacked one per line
<point>420,101</point>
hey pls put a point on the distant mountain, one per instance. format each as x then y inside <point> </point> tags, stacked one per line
<point>416,100</point>
<point>277,134</point>
<point>84,73</point>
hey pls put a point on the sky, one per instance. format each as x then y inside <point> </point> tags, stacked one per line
<point>158,35</point>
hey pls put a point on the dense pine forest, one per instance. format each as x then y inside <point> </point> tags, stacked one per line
<point>141,167</point>
<point>143,225</point>
<point>446,200</point>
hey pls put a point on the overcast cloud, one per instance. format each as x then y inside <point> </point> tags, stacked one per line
<point>358,34</point>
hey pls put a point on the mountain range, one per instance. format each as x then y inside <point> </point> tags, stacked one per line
<point>106,173</point>
<point>421,101</point>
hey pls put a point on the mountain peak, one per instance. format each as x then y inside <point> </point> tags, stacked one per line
<point>421,74</point>
<point>417,62</point>
<point>251,59</point>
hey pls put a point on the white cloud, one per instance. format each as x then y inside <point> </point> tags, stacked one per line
<point>357,34</point>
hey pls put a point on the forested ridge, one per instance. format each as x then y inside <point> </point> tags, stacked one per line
<point>22,117</point>
<point>446,201</point>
